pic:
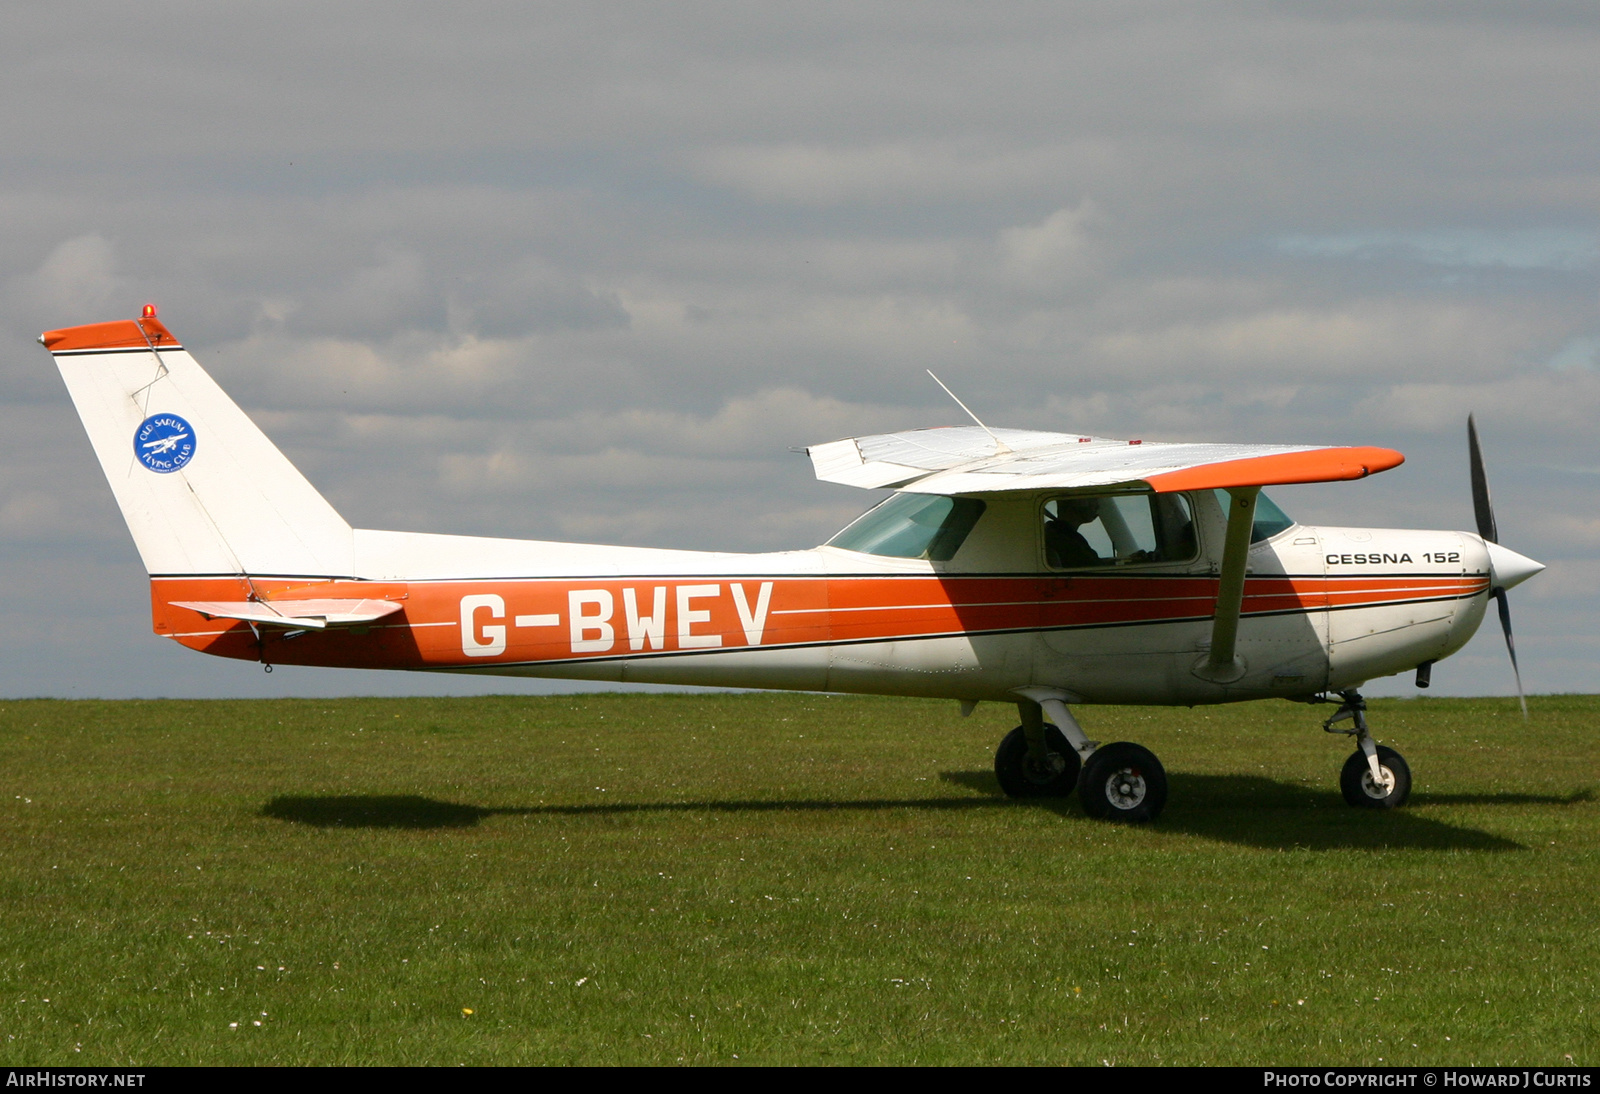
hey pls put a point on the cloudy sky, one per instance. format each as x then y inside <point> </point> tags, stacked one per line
<point>589,271</point>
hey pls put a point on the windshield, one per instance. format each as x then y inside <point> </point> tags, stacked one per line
<point>926,526</point>
<point>1270,520</point>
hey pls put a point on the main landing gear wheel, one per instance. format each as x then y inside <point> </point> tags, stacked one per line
<point>1023,776</point>
<point>1123,782</point>
<point>1361,790</point>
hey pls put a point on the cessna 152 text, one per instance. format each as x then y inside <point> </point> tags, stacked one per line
<point>1042,569</point>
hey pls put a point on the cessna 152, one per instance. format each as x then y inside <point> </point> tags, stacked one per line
<point>1041,569</point>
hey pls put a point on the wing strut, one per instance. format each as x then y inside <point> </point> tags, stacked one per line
<point>1220,664</point>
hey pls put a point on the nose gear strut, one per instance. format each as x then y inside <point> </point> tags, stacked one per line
<point>1374,777</point>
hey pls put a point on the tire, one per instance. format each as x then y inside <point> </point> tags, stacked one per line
<point>1123,782</point>
<point>1021,777</point>
<point>1355,781</point>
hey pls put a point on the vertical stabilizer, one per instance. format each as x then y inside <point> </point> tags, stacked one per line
<point>202,488</point>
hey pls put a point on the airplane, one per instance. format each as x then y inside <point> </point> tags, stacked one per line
<point>1043,569</point>
<point>165,444</point>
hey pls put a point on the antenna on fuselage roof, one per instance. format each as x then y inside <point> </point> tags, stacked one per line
<point>1000,448</point>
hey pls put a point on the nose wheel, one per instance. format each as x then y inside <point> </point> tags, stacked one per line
<point>1375,776</point>
<point>1388,789</point>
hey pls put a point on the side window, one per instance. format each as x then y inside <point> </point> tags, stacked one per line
<point>1117,530</point>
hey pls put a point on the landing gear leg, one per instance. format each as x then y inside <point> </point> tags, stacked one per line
<point>1035,760</point>
<point>1375,776</point>
<point>1119,782</point>
<point>1047,702</point>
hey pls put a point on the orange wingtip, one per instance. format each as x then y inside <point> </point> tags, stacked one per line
<point>121,334</point>
<point>1318,465</point>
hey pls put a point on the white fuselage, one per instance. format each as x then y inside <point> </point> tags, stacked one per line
<point>1324,609</point>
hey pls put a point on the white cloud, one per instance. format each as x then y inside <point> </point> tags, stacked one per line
<point>1371,340</point>
<point>892,173</point>
<point>1538,409</point>
<point>1576,353</point>
<point>1540,249</point>
<point>75,283</point>
<point>1057,251</point>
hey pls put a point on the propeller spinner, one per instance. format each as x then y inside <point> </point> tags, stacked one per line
<point>1506,567</point>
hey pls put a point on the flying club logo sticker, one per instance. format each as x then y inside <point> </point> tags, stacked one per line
<point>164,443</point>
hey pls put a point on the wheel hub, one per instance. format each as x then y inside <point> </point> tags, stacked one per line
<point>1044,769</point>
<point>1126,789</point>
<point>1374,789</point>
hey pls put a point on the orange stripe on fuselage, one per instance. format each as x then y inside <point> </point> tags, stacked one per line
<point>479,624</point>
<point>1346,592</point>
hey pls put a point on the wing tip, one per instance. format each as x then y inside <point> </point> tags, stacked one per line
<point>1281,469</point>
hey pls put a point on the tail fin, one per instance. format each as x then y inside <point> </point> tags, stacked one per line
<point>202,488</point>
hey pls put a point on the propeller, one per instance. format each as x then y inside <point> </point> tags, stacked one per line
<point>1515,567</point>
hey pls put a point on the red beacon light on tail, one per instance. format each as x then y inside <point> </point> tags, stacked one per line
<point>149,312</point>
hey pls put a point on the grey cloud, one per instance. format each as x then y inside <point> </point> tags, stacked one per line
<point>893,173</point>
<point>1370,340</point>
<point>391,292</point>
<point>1530,249</point>
<point>532,295</point>
<point>1576,353</point>
<point>77,279</point>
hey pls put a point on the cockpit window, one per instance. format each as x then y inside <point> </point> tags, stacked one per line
<point>1270,520</point>
<point>1117,530</point>
<point>928,526</point>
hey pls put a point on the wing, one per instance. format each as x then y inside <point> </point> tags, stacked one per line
<point>966,460</point>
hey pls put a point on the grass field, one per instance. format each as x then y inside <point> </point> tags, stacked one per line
<point>783,879</point>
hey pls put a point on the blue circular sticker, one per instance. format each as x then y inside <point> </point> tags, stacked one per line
<point>164,443</point>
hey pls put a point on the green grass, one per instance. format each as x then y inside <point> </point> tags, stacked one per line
<point>783,879</point>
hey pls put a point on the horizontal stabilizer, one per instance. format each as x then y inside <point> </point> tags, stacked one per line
<point>967,460</point>
<point>313,615</point>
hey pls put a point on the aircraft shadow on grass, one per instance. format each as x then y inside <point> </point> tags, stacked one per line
<point>412,811</point>
<point>1507,798</point>
<point>378,811</point>
<point>1243,809</point>
<point>1261,812</point>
